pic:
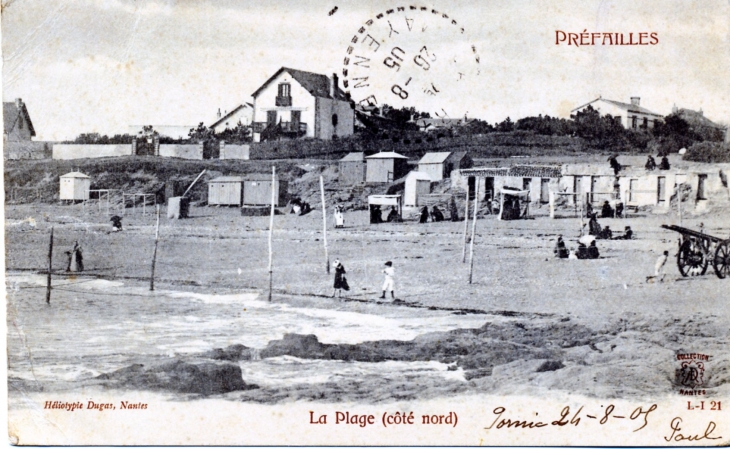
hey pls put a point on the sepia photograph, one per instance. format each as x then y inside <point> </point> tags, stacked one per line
<point>454,223</point>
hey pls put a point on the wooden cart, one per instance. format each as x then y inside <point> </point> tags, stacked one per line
<point>698,249</point>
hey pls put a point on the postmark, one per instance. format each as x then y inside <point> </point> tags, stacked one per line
<point>408,56</point>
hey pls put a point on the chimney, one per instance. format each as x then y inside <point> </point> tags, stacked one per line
<point>219,112</point>
<point>675,109</point>
<point>635,101</point>
<point>333,85</point>
<point>701,113</point>
<point>18,103</point>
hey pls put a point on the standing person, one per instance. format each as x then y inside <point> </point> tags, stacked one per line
<point>424,215</point>
<point>659,266</point>
<point>339,217</point>
<point>389,283</point>
<point>75,259</point>
<point>340,279</point>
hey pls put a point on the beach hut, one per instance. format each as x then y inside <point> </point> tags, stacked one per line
<point>226,191</point>
<point>74,187</point>
<point>257,190</point>
<point>439,165</point>
<point>417,183</point>
<point>386,167</point>
<point>352,169</point>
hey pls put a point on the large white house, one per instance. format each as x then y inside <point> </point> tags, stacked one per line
<point>631,115</point>
<point>294,104</point>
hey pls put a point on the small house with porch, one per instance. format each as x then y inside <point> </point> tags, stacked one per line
<point>439,165</point>
<point>352,169</point>
<point>74,186</point>
<point>540,180</point>
<point>385,167</point>
<point>226,191</point>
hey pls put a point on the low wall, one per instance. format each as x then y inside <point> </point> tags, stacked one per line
<point>28,150</point>
<point>194,151</point>
<point>235,151</point>
<point>80,151</point>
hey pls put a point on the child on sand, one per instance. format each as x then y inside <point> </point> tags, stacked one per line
<point>389,283</point>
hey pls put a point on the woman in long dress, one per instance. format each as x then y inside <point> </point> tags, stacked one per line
<point>340,280</point>
<point>339,217</point>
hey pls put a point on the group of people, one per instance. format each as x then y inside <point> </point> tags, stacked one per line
<point>651,163</point>
<point>434,215</point>
<point>341,281</point>
<point>376,215</point>
<point>587,249</point>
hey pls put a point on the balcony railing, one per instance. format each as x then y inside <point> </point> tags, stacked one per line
<point>293,127</point>
<point>283,101</point>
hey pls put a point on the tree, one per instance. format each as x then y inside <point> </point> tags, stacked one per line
<point>506,126</point>
<point>239,134</point>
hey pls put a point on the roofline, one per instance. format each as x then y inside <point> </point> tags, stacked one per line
<point>590,102</point>
<point>229,114</point>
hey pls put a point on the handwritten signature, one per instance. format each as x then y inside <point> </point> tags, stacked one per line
<point>566,418</point>
<point>677,436</point>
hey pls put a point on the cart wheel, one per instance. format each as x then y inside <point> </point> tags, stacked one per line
<point>721,263</point>
<point>691,259</point>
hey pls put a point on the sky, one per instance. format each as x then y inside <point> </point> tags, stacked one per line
<point>103,65</point>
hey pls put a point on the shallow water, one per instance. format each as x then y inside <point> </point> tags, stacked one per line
<point>95,326</point>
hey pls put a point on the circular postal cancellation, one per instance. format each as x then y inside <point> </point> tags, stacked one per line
<point>411,56</point>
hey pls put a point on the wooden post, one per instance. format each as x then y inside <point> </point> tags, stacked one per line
<point>466,222</point>
<point>324,224</point>
<point>50,267</point>
<point>679,202</point>
<point>271,229</point>
<point>473,231</point>
<point>154,254</point>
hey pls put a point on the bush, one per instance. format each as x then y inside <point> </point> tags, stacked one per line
<point>708,152</point>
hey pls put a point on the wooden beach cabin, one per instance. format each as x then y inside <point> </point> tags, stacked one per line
<point>439,165</point>
<point>417,183</point>
<point>386,167</point>
<point>352,169</point>
<point>74,187</point>
<point>225,191</point>
<point>257,190</point>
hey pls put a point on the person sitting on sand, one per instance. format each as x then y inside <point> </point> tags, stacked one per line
<point>628,234</point>
<point>392,215</point>
<point>375,215</point>
<point>606,233</point>
<point>560,251</point>
<point>664,165</point>
<point>116,223</point>
<point>593,227</point>
<point>436,214</point>
<point>650,163</point>
<point>606,210</point>
<point>424,215</point>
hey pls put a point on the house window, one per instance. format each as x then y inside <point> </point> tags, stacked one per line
<point>633,122</point>
<point>334,120</point>
<point>284,96</point>
<point>646,123</point>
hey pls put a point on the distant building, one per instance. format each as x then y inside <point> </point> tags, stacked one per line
<point>295,104</point>
<point>630,115</point>
<point>701,124</point>
<point>439,165</point>
<point>171,131</point>
<point>74,186</point>
<point>437,124</point>
<point>242,114</point>
<point>386,167</point>
<point>352,169</point>
<point>17,124</point>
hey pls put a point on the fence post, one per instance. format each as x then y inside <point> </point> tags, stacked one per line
<point>50,267</point>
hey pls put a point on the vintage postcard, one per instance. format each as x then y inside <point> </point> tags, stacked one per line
<point>450,223</point>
